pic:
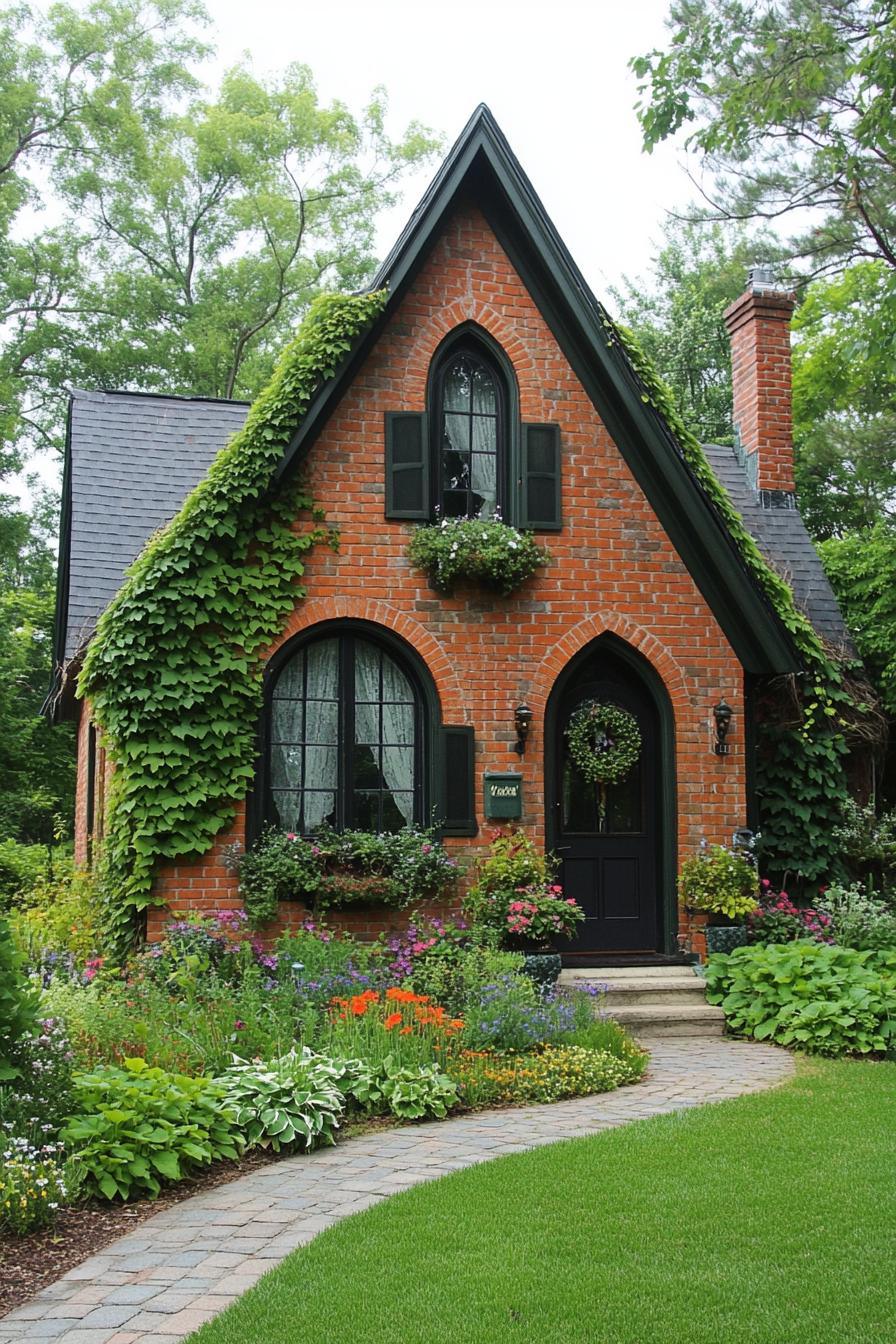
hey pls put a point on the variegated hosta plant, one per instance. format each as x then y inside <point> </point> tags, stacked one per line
<point>290,1101</point>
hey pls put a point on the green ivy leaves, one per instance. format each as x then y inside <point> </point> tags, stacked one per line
<point>173,672</point>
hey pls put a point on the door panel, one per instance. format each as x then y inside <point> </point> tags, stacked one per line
<point>607,836</point>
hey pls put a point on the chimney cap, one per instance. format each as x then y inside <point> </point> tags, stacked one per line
<point>761,279</point>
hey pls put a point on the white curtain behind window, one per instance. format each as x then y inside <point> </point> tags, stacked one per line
<point>396,727</point>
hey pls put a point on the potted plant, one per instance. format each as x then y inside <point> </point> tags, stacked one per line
<point>724,884</point>
<point>486,551</point>
<point>334,869</point>
<point>516,902</point>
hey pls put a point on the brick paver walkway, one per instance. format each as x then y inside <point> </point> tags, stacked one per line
<point>183,1266</point>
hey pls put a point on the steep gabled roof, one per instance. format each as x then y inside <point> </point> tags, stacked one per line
<point>132,459</point>
<point>481,167</point>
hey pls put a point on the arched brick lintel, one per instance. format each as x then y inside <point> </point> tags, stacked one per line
<point>347,608</point>
<point>589,629</point>
<point>433,331</point>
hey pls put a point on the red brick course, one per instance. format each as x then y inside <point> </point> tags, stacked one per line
<point>612,569</point>
<point>759,326</point>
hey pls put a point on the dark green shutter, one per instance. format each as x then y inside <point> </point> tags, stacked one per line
<point>541,478</point>
<point>407,466</point>
<point>456,809</point>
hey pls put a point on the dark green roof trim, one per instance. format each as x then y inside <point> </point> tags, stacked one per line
<point>51,706</point>
<point>482,167</point>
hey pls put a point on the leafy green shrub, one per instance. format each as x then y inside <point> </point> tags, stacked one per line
<point>18,1001</point>
<point>34,1184</point>
<point>286,1102</point>
<point>21,866</point>
<point>825,999</point>
<point>515,897</point>
<point>138,1126</point>
<point>455,982</point>
<point>719,881</point>
<point>859,920</point>
<point>478,550</point>
<point>410,1092</point>
<point>58,914</point>
<point>343,868</point>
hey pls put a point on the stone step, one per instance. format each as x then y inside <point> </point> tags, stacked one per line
<point>601,974</point>
<point>652,1001</point>
<point>626,993</point>
<point>646,1021</point>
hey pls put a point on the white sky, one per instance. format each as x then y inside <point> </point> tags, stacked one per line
<point>555,74</point>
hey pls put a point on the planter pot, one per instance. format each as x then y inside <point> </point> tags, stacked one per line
<point>543,967</point>
<point>725,937</point>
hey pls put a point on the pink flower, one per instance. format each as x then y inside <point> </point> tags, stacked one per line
<point>290,835</point>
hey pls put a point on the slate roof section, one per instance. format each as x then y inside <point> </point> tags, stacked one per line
<point>782,537</point>
<point>132,460</point>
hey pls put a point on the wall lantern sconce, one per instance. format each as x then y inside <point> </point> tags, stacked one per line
<point>522,722</point>
<point>722,714</point>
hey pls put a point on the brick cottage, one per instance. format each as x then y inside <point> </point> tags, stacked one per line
<point>489,383</point>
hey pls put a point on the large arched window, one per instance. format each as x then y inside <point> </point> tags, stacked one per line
<point>345,737</point>
<point>470,428</point>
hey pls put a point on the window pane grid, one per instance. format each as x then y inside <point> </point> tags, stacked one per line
<point>350,757</point>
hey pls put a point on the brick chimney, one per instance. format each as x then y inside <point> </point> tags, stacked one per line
<point>759,326</point>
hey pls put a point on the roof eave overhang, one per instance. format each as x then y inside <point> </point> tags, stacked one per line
<point>482,166</point>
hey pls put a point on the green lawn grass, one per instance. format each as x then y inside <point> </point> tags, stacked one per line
<point>766,1220</point>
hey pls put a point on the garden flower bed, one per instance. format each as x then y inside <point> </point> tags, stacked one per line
<point>208,1050</point>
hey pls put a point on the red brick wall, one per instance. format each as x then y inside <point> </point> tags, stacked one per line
<point>759,326</point>
<point>613,568</point>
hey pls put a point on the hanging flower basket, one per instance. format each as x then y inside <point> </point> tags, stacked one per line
<point>604,741</point>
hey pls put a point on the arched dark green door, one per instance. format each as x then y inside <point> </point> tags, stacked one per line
<point>607,836</point>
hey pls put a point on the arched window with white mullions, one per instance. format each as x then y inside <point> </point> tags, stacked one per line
<point>471,436</point>
<point>346,729</point>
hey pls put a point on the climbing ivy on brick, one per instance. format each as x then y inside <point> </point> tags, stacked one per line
<point>174,673</point>
<point>801,779</point>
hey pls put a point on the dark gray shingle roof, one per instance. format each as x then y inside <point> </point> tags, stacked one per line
<point>133,461</point>
<point>782,537</point>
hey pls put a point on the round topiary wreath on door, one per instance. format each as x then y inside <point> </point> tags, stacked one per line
<point>604,741</point>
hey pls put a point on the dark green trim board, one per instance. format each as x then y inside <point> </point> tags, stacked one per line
<point>456,805</point>
<point>481,168</point>
<point>540,485</point>
<point>666,766</point>
<point>408,472</point>
<point>51,707</point>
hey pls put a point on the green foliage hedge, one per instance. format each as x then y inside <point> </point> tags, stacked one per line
<point>173,672</point>
<point>824,999</point>
<point>138,1126</point>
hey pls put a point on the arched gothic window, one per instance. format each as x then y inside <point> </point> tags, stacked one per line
<point>470,427</point>
<point>345,736</point>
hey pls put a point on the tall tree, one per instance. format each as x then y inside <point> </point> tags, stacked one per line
<point>677,315</point>
<point>76,85</point>
<point>844,401</point>
<point>37,774</point>
<point>792,108</point>
<point>193,229</point>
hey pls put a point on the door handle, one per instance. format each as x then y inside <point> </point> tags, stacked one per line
<point>561,849</point>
